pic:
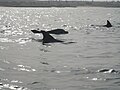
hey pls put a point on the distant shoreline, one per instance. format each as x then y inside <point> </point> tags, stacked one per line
<point>59,4</point>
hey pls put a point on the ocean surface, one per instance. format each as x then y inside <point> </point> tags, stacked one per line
<point>90,62</point>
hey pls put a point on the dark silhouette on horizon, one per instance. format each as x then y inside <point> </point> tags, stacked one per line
<point>60,3</point>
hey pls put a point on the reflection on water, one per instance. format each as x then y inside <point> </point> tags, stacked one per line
<point>24,68</point>
<point>12,86</point>
<point>88,59</point>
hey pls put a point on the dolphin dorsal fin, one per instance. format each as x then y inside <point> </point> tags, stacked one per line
<point>47,37</point>
<point>108,24</point>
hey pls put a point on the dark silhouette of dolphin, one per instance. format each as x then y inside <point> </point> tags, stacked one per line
<point>47,38</point>
<point>58,31</point>
<point>108,25</point>
<point>54,31</point>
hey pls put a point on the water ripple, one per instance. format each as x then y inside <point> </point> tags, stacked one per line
<point>6,40</point>
<point>4,84</point>
<point>24,68</point>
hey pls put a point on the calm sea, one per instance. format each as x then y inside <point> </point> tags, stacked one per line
<point>92,62</point>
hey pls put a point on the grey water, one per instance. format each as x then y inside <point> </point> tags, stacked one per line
<point>91,63</point>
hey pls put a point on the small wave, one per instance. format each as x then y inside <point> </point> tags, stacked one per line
<point>20,41</point>
<point>116,78</point>
<point>1,69</point>
<point>59,71</point>
<point>7,62</point>
<point>117,82</point>
<point>14,67</point>
<point>80,71</point>
<point>112,42</point>
<point>12,81</point>
<point>4,64</point>
<point>4,84</point>
<point>6,40</point>
<point>23,40</point>
<point>24,68</point>
<point>2,47</point>
<point>64,70</point>
<point>37,40</point>
<point>99,56</point>
<point>12,87</point>
<point>98,79</point>
<point>44,50</point>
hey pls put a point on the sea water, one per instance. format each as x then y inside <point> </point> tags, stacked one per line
<point>91,62</point>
